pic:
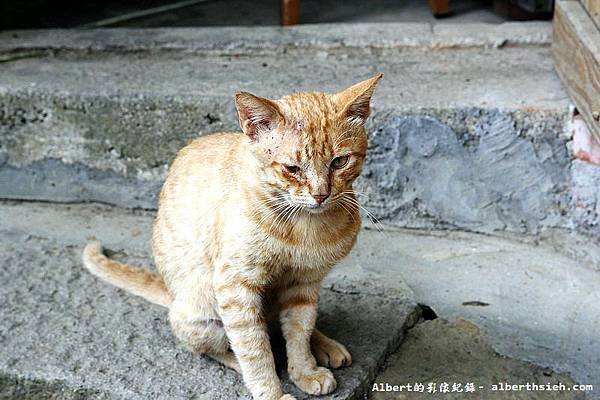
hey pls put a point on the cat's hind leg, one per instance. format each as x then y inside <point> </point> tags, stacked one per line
<point>328,352</point>
<point>228,359</point>
<point>202,333</point>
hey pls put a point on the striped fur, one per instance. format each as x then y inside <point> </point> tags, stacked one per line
<point>248,226</point>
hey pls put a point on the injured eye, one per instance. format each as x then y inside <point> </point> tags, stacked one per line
<point>292,169</point>
<point>339,162</point>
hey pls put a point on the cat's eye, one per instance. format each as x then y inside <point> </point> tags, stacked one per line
<point>339,162</point>
<point>292,169</point>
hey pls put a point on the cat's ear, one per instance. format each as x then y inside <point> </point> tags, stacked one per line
<point>256,113</point>
<point>355,100</point>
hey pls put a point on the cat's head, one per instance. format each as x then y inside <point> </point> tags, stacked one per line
<point>311,145</point>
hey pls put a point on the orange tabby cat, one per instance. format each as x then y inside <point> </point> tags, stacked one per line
<point>251,223</point>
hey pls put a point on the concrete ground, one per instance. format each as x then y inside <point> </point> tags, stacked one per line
<point>63,331</point>
<point>534,300</point>
<point>65,334</point>
<point>454,361</point>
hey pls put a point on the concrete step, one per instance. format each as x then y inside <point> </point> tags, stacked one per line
<point>474,111</point>
<point>534,300</point>
<point>454,361</point>
<point>67,334</point>
<point>264,40</point>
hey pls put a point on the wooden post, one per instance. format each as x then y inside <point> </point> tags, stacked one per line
<point>439,8</point>
<point>576,51</point>
<point>593,8</point>
<point>290,12</point>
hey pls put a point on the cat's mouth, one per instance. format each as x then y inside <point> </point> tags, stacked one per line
<point>314,208</point>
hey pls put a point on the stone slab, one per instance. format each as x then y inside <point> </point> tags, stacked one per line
<point>437,353</point>
<point>65,334</point>
<point>535,298</point>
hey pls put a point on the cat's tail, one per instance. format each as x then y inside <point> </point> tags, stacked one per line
<point>138,281</point>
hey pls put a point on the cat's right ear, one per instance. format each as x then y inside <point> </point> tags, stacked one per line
<point>355,100</point>
<point>256,114</point>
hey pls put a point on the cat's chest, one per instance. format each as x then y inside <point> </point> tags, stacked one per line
<point>277,254</point>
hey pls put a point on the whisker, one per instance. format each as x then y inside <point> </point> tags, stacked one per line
<point>354,192</point>
<point>348,211</point>
<point>272,211</point>
<point>286,213</point>
<point>282,215</point>
<point>269,203</point>
<point>289,218</point>
<point>369,214</point>
<point>276,218</point>
<point>277,198</point>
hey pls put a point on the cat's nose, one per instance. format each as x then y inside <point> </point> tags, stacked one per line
<point>320,197</point>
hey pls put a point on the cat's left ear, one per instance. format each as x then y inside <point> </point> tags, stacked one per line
<point>256,113</point>
<point>355,100</point>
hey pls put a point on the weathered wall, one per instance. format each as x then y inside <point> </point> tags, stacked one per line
<point>71,148</point>
<point>480,170</point>
<point>474,169</point>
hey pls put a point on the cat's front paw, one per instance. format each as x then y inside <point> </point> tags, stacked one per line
<point>318,381</point>
<point>287,397</point>
<point>331,353</point>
